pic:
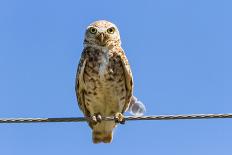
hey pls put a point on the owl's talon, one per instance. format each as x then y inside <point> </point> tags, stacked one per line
<point>119,118</point>
<point>99,118</point>
<point>94,119</point>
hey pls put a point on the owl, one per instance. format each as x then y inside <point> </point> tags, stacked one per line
<point>104,82</point>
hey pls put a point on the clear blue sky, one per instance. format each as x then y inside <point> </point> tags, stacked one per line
<point>180,54</point>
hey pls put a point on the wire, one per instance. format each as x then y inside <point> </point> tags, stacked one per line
<point>127,118</point>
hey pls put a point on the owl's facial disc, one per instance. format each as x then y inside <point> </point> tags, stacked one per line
<point>102,33</point>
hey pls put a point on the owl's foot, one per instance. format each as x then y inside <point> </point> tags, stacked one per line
<point>96,118</point>
<point>99,118</point>
<point>119,118</point>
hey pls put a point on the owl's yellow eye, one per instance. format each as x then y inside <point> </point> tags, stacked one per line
<point>111,30</point>
<point>92,30</point>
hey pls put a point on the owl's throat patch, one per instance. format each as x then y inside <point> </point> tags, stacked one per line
<point>104,63</point>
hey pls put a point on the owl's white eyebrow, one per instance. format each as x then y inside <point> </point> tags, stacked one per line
<point>101,29</point>
<point>98,29</point>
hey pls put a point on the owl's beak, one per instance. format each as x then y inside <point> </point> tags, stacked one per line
<point>101,37</point>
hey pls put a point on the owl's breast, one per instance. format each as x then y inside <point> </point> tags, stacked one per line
<point>103,66</point>
<point>104,82</point>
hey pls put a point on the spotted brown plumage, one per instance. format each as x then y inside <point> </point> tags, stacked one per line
<point>104,81</point>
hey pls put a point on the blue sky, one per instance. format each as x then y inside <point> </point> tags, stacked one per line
<point>180,54</point>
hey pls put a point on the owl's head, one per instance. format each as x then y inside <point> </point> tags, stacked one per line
<point>102,33</point>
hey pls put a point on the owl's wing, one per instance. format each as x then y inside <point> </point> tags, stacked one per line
<point>128,78</point>
<point>80,84</point>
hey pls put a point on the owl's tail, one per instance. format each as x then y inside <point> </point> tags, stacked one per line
<point>105,137</point>
<point>103,132</point>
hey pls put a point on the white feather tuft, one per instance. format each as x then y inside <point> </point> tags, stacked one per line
<point>136,108</point>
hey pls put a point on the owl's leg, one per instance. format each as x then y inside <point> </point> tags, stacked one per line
<point>96,118</point>
<point>119,118</point>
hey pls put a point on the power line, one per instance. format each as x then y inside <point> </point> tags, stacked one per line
<point>127,118</point>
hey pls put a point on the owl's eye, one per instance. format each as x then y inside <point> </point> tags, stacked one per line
<point>92,30</point>
<point>111,30</point>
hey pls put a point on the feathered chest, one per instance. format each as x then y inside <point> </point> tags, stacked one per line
<point>103,64</point>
